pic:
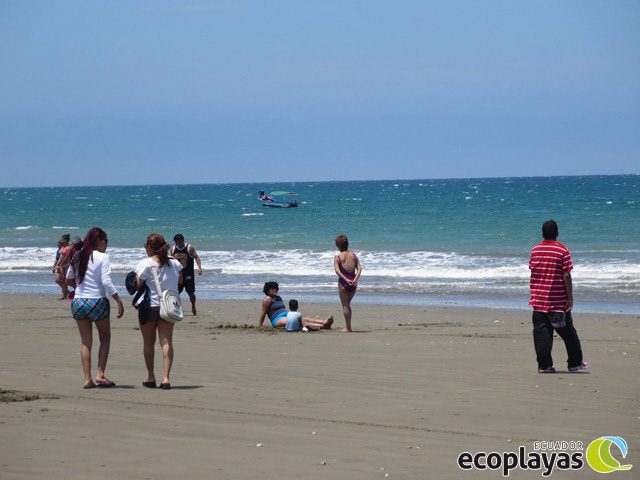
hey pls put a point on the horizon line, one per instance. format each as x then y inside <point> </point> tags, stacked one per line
<point>322,181</point>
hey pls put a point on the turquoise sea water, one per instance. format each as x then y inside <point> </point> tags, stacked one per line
<point>451,242</point>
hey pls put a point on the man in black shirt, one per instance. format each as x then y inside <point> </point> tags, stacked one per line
<point>186,255</point>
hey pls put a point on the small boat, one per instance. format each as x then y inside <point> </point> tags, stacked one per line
<point>278,199</point>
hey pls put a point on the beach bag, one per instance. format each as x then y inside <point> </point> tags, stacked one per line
<point>170,304</point>
<point>141,301</point>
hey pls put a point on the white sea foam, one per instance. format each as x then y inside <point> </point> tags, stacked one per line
<point>25,227</point>
<point>55,227</point>
<point>251,214</point>
<point>404,271</point>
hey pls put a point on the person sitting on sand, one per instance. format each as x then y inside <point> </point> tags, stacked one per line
<point>348,268</point>
<point>273,307</point>
<point>294,317</point>
<point>90,274</point>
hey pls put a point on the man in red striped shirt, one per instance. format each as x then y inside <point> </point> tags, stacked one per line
<point>552,301</point>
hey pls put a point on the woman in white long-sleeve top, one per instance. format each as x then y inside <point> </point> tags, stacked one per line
<point>90,274</point>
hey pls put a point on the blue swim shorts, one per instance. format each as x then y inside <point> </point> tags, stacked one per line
<point>92,309</point>
<point>278,317</point>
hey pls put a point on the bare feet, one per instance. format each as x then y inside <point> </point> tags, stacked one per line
<point>193,310</point>
<point>345,330</point>
<point>328,322</point>
<point>89,384</point>
<point>63,298</point>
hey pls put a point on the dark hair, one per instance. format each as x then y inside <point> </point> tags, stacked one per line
<point>178,237</point>
<point>159,247</point>
<point>268,286</point>
<point>550,230</point>
<point>83,250</point>
<point>66,237</point>
<point>342,242</point>
<point>293,305</point>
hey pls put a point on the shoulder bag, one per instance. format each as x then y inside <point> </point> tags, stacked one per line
<point>170,304</point>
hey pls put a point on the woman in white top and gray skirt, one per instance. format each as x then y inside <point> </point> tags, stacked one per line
<point>168,271</point>
<point>90,274</point>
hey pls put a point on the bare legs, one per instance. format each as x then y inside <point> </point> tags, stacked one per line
<point>148,331</point>
<point>192,297</point>
<point>86,338</point>
<point>316,324</point>
<point>165,333</point>
<point>60,280</point>
<point>104,334</point>
<point>345,299</point>
<point>310,323</point>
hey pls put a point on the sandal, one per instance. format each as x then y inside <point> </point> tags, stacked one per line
<point>104,383</point>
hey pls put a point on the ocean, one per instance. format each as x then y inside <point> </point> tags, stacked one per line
<point>445,242</point>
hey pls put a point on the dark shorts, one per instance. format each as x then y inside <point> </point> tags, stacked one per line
<point>92,309</point>
<point>151,314</point>
<point>189,284</point>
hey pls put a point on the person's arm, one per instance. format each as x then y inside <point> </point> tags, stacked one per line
<point>266,302</point>
<point>141,275</point>
<point>358,269</point>
<point>58,264</point>
<point>110,289</point>
<point>336,268</point>
<point>70,279</point>
<point>568,286</point>
<point>196,257</point>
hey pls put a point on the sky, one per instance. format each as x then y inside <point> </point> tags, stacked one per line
<point>166,92</point>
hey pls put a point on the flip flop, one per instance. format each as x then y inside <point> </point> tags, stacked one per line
<point>149,384</point>
<point>104,383</point>
<point>165,386</point>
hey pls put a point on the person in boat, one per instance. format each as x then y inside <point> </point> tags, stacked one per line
<point>264,197</point>
<point>348,268</point>
<point>273,307</point>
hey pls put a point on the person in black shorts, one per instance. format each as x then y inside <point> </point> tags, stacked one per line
<point>186,255</point>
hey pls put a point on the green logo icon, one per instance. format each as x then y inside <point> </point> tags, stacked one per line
<point>599,454</point>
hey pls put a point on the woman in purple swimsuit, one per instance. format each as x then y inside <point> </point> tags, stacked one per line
<point>348,268</point>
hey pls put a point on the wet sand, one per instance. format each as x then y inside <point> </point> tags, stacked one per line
<point>400,398</point>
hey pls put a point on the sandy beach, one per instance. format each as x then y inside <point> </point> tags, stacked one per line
<point>400,398</point>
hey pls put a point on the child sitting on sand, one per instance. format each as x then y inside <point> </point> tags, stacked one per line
<point>294,317</point>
